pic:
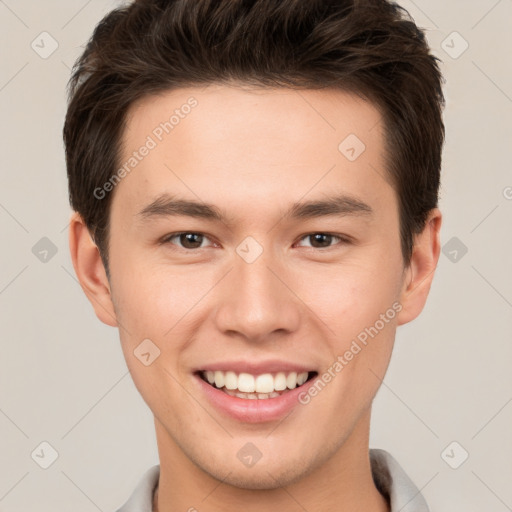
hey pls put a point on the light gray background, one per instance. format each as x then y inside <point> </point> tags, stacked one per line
<point>63,378</point>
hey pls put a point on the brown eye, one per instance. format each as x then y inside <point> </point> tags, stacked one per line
<point>322,240</point>
<point>187,240</point>
<point>191,240</point>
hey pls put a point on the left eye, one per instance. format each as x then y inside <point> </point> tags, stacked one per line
<point>322,240</point>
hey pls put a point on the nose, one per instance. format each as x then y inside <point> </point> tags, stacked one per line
<point>257,301</point>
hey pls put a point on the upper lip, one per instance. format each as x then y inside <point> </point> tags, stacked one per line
<point>256,368</point>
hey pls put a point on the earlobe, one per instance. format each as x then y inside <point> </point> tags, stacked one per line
<point>420,272</point>
<point>90,270</point>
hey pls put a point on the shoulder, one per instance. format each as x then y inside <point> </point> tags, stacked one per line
<point>141,499</point>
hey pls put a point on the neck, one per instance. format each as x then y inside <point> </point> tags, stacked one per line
<point>343,483</point>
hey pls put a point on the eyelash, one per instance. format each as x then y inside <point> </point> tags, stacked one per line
<point>341,238</point>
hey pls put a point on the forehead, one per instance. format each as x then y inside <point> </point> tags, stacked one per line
<point>280,114</point>
<point>219,140</point>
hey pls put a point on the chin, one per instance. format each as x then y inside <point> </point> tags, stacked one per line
<point>265,479</point>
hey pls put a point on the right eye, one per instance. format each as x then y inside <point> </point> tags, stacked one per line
<point>188,239</point>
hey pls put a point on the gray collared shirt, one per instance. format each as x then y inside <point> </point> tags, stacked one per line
<point>389,477</point>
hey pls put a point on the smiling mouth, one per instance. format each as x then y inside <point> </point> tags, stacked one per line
<point>256,387</point>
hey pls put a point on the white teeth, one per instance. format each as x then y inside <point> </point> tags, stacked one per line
<point>264,383</point>
<point>291,380</point>
<point>280,382</point>
<point>231,380</point>
<point>250,396</point>
<point>301,378</point>
<point>245,385</point>
<point>219,379</point>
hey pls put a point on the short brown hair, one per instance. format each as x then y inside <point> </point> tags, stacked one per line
<point>369,47</point>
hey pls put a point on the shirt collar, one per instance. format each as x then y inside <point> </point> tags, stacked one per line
<point>389,477</point>
<point>392,481</point>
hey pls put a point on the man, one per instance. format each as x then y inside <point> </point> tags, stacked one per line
<point>254,186</point>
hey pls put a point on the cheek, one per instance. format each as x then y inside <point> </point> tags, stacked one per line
<point>350,298</point>
<point>151,299</point>
<point>152,304</point>
<point>358,303</point>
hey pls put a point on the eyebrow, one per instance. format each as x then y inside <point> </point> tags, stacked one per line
<point>334,205</point>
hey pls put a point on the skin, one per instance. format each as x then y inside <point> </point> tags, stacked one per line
<point>298,301</point>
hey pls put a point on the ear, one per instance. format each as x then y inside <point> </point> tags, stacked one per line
<point>90,270</point>
<point>419,274</point>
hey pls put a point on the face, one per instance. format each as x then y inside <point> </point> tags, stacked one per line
<point>257,236</point>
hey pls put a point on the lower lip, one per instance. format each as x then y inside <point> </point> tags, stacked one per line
<point>255,410</point>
